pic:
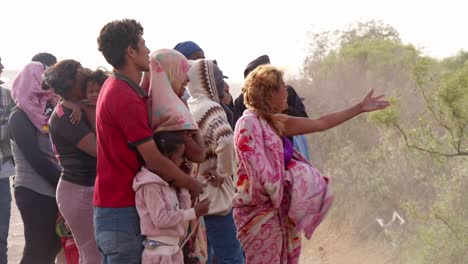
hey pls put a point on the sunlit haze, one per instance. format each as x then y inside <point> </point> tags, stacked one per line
<point>233,32</point>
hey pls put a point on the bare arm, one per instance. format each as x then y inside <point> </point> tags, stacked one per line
<point>134,124</point>
<point>166,169</point>
<point>78,135</point>
<point>88,144</point>
<point>75,116</point>
<point>299,125</point>
<point>90,116</point>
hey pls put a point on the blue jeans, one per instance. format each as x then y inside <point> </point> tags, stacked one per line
<point>5,209</point>
<point>222,240</point>
<point>117,232</point>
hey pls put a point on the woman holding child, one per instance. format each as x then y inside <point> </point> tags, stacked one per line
<point>75,147</point>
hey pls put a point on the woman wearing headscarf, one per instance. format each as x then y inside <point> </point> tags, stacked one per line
<point>75,147</point>
<point>165,222</point>
<point>37,171</point>
<point>206,89</point>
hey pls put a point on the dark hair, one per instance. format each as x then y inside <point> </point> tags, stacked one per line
<point>99,76</point>
<point>61,77</point>
<point>45,58</point>
<point>168,141</point>
<point>264,59</point>
<point>115,37</point>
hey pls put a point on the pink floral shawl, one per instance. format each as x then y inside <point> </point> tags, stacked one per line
<point>299,194</point>
<point>168,72</point>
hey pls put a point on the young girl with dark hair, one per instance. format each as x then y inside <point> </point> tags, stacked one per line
<point>165,210</point>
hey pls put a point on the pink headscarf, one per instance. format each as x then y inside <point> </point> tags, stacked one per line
<point>168,72</point>
<point>28,95</point>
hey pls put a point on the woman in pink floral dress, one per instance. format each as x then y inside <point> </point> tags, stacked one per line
<point>280,195</point>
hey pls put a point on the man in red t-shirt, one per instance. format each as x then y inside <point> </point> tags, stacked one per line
<point>122,129</point>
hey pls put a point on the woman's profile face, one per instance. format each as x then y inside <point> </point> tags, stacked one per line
<point>182,88</point>
<point>279,100</point>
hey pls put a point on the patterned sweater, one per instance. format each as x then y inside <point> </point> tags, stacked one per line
<point>217,136</point>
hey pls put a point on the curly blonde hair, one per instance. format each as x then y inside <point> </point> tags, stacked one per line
<point>258,90</point>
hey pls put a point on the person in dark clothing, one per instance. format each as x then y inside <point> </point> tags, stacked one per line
<point>226,98</point>
<point>229,102</point>
<point>45,58</point>
<point>37,171</point>
<point>295,105</point>
<point>75,146</point>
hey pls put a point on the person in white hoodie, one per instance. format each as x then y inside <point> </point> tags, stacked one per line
<point>206,90</point>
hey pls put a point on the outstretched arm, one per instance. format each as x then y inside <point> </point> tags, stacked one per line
<point>299,125</point>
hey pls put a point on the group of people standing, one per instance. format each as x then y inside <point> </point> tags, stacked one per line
<point>156,163</point>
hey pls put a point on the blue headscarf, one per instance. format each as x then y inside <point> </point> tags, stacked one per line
<point>187,48</point>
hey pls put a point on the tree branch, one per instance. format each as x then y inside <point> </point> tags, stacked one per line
<point>434,152</point>
<point>431,109</point>
<point>438,217</point>
<point>460,138</point>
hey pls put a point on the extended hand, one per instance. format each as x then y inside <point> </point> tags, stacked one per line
<point>372,103</point>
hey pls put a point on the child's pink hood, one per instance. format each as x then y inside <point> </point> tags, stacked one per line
<point>146,176</point>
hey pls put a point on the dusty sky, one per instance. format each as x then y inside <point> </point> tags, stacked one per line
<point>233,32</point>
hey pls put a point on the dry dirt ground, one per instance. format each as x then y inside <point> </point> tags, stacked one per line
<point>328,246</point>
<point>16,237</point>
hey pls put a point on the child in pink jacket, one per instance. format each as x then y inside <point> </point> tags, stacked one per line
<point>165,210</point>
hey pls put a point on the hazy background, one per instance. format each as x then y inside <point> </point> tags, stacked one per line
<point>399,176</point>
<point>233,32</point>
